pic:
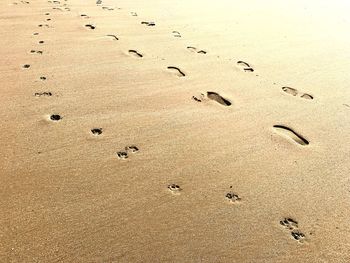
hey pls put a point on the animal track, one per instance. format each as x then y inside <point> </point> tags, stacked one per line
<point>232,197</point>
<point>245,66</point>
<point>294,92</point>
<point>292,225</point>
<point>292,134</point>
<point>114,37</point>
<point>55,117</point>
<point>212,96</point>
<point>176,34</point>
<point>148,23</point>
<point>133,13</point>
<point>132,148</point>
<point>26,66</point>
<point>96,131</point>
<point>42,78</point>
<point>41,42</point>
<point>174,188</point>
<point>135,53</point>
<point>124,154</point>
<point>35,34</point>
<point>90,26</point>
<point>98,2</point>
<point>177,71</point>
<point>193,49</point>
<point>40,94</point>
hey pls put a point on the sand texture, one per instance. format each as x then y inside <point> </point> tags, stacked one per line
<point>175,131</point>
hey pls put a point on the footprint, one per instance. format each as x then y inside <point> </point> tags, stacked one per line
<point>193,49</point>
<point>133,13</point>
<point>96,131</point>
<point>135,53</point>
<point>132,148</point>
<point>212,96</point>
<point>90,26</point>
<point>174,188</point>
<point>292,134</point>
<point>98,2</point>
<point>295,92</point>
<point>107,8</point>
<point>176,34</point>
<point>176,71</point>
<point>245,66</point>
<point>40,94</point>
<point>42,78</point>
<point>35,34</point>
<point>292,226</point>
<point>232,197</point>
<point>84,16</point>
<point>55,117</point>
<point>26,66</point>
<point>148,23</point>
<point>289,223</point>
<point>114,37</point>
<point>122,155</point>
<point>41,42</point>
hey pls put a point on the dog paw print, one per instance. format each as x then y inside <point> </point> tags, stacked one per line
<point>128,149</point>
<point>293,227</point>
<point>232,196</point>
<point>174,188</point>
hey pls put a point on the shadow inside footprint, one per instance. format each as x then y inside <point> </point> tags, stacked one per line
<point>135,53</point>
<point>96,131</point>
<point>292,134</point>
<point>177,71</point>
<point>219,99</point>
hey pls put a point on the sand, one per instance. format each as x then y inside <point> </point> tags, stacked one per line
<point>175,131</point>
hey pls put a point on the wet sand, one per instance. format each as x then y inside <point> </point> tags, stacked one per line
<point>186,131</point>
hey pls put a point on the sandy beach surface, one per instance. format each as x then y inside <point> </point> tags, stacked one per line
<point>175,131</point>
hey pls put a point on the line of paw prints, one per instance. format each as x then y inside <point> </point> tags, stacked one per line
<point>124,154</point>
<point>292,226</point>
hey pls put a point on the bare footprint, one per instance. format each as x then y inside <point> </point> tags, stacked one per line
<point>114,37</point>
<point>295,92</point>
<point>292,134</point>
<point>210,95</point>
<point>148,23</point>
<point>176,71</point>
<point>90,26</point>
<point>176,34</point>
<point>194,50</point>
<point>245,66</point>
<point>134,53</point>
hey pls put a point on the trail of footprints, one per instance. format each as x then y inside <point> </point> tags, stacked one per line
<point>231,196</point>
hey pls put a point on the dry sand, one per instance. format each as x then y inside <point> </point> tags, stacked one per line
<point>175,131</point>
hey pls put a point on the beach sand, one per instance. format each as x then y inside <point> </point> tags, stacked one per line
<point>175,131</point>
